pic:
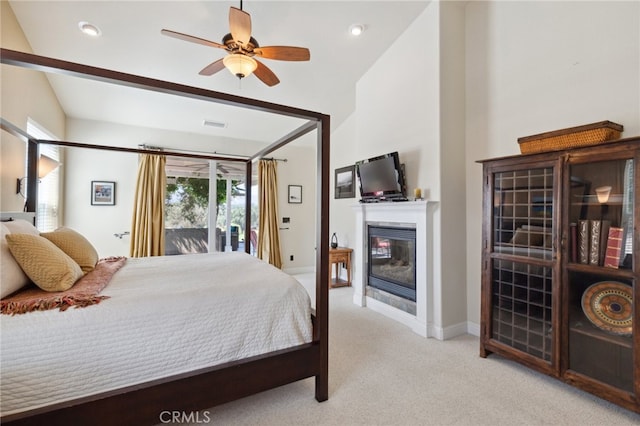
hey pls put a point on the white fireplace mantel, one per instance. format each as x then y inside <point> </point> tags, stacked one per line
<point>398,214</point>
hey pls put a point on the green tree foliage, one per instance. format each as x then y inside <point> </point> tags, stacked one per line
<point>187,201</point>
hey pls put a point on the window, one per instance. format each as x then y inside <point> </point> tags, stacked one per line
<point>48,209</point>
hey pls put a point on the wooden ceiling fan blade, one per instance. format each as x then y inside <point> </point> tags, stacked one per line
<point>266,75</point>
<point>284,53</point>
<point>213,67</point>
<point>240,25</point>
<point>192,39</point>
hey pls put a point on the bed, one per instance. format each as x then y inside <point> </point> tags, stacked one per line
<point>171,383</point>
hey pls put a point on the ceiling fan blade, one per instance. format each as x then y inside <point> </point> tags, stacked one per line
<point>212,68</point>
<point>192,39</point>
<point>284,53</point>
<point>266,75</point>
<point>240,25</point>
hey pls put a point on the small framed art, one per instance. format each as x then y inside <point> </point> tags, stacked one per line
<point>103,193</point>
<point>345,182</point>
<point>295,194</point>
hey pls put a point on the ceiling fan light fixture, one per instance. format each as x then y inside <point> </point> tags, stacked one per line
<point>240,65</point>
<point>89,29</point>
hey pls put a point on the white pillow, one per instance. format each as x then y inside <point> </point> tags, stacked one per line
<point>21,226</point>
<point>12,277</point>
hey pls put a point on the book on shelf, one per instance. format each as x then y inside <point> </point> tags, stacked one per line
<point>604,236</point>
<point>574,242</point>
<point>594,242</point>
<point>583,241</point>
<point>614,247</point>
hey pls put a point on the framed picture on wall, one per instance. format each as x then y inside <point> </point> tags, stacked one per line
<point>103,193</point>
<point>295,194</point>
<point>345,182</point>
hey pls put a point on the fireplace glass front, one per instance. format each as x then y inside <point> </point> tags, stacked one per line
<point>392,260</point>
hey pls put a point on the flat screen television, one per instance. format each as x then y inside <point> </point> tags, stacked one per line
<point>381,178</point>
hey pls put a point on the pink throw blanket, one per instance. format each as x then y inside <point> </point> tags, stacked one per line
<point>83,293</point>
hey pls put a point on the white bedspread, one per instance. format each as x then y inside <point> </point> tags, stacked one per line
<point>166,315</point>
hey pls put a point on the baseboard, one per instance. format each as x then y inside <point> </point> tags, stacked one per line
<point>299,270</point>
<point>473,328</point>
<point>455,330</point>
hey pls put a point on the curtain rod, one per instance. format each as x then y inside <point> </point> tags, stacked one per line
<point>136,150</point>
<point>172,150</point>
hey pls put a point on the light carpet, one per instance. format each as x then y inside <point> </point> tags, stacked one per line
<point>381,373</point>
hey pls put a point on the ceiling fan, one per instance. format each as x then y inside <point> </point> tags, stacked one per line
<point>243,49</point>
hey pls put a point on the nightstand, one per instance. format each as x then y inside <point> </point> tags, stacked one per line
<point>339,256</point>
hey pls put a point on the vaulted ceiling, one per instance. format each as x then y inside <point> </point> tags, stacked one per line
<point>131,42</point>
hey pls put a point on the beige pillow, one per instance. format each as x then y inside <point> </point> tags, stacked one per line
<point>75,246</point>
<point>21,226</point>
<point>12,277</point>
<point>526,238</point>
<point>47,266</point>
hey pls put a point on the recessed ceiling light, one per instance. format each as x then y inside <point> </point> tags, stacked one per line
<point>356,29</point>
<point>89,29</point>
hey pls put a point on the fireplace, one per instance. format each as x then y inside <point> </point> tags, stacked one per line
<point>415,306</point>
<point>391,260</point>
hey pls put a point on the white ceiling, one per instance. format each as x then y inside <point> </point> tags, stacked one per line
<point>131,42</point>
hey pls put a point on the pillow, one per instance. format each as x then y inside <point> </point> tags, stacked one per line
<point>75,246</point>
<point>12,277</point>
<point>21,226</point>
<point>546,234</point>
<point>526,238</point>
<point>47,266</point>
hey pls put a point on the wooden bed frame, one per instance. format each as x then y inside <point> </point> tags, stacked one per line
<point>205,388</point>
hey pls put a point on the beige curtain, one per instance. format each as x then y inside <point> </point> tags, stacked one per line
<point>268,232</point>
<point>147,227</point>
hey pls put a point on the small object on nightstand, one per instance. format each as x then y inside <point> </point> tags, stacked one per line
<point>334,241</point>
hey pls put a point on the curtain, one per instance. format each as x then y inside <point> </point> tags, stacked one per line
<point>147,227</point>
<point>268,232</point>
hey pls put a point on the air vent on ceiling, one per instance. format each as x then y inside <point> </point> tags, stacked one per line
<point>212,123</point>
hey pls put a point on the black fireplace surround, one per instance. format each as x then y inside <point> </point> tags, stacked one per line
<point>392,260</point>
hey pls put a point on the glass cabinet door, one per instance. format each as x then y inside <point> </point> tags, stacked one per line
<point>600,271</point>
<point>522,260</point>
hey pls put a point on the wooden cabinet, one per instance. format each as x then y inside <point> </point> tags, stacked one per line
<point>560,266</point>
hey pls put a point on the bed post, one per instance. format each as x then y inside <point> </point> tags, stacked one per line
<point>32,176</point>
<point>322,259</point>
<point>247,207</point>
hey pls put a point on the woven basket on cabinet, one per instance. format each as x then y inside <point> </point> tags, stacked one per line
<point>573,137</point>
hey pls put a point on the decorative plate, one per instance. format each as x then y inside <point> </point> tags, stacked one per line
<point>609,305</point>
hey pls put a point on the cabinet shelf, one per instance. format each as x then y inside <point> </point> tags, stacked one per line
<point>601,271</point>
<point>580,324</point>
<point>592,200</point>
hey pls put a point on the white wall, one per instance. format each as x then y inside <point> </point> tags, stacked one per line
<point>100,223</point>
<point>452,167</point>
<point>24,94</point>
<point>421,115</point>
<point>343,153</point>
<point>403,111</point>
<point>485,74</point>
<point>533,67</point>
<point>297,237</point>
